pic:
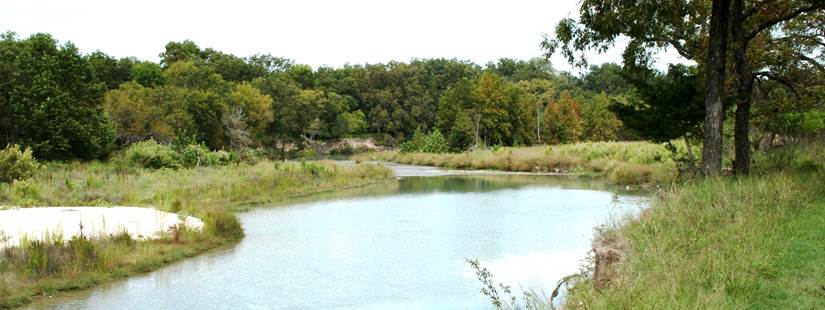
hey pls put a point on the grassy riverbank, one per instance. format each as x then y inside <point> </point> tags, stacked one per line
<point>754,242</point>
<point>619,162</point>
<point>37,269</point>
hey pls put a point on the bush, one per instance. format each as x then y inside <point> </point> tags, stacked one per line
<point>224,225</point>
<point>25,193</point>
<point>16,164</point>
<point>435,143</point>
<point>150,154</point>
<point>421,143</point>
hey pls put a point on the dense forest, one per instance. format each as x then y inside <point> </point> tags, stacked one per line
<point>65,105</point>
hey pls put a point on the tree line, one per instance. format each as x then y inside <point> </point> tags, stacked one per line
<point>66,105</point>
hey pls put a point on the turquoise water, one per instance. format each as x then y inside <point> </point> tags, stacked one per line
<point>398,248</point>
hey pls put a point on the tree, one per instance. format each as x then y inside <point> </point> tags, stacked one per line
<point>600,124</point>
<point>52,100</point>
<point>136,114</point>
<point>110,71</point>
<point>252,110</point>
<point>180,51</point>
<point>537,93</point>
<point>195,113</point>
<point>148,74</point>
<point>562,119</point>
<point>608,78</point>
<point>756,22</point>
<point>651,25</point>
<point>454,115</point>
<point>520,70</point>
<point>669,106</point>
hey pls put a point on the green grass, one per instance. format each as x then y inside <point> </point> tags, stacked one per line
<point>35,269</point>
<point>619,162</point>
<point>732,243</point>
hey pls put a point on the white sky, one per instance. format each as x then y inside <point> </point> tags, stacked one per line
<point>314,32</point>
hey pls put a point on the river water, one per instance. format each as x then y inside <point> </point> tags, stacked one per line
<point>399,247</point>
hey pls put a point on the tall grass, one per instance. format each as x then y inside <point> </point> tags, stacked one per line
<point>620,162</point>
<point>753,242</point>
<point>186,190</point>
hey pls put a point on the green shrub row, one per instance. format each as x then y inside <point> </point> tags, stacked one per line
<point>434,142</point>
<point>153,155</point>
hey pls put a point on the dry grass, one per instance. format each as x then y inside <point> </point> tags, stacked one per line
<point>620,162</point>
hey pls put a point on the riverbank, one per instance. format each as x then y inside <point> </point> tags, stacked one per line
<point>728,243</point>
<point>625,163</point>
<point>40,269</point>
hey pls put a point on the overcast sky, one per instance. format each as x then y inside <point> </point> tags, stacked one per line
<point>314,32</point>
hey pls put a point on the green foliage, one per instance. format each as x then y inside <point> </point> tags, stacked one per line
<point>434,142</point>
<point>562,120</point>
<point>137,115</point>
<point>416,143</point>
<point>25,193</point>
<point>150,154</point>
<point>223,225</point>
<point>16,164</point>
<point>197,155</point>
<point>153,155</point>
<point>670,105</point>
<point>600,124</point>
<point>148,74</point>
<point>51,100</point>
<point>110,71</point>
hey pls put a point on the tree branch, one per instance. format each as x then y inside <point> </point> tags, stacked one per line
<point>757,7</point>
<point>781,80</point>
<point>776,20</point>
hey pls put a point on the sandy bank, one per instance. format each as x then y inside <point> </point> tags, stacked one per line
<point>140,223</point>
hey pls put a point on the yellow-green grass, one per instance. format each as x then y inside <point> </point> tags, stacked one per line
<point>619,162</point>
<point>732,243</point>
<point>36,269</point>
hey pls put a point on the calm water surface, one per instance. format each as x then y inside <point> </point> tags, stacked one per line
<point>399,248</point>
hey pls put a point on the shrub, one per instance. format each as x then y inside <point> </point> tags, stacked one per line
<point>150,154</point>
<point>224,225</point>
<point>25,193</point>
<point>16,164</point>
<point>416,144</point>
<point>434,142</point>
<point>315,168</point>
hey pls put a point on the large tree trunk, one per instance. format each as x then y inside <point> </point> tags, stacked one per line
<point>715,88</point>
<point>744,90</point>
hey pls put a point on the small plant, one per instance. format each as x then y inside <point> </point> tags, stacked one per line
<point>416,144</point>
<point>25,193</point>
<point>501,296</point>
<point>16,164</point>
<point>224,225</point>
<point>315,168</point>
<point>123,238</point>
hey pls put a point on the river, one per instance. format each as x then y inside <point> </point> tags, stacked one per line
<point>402,246</point>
